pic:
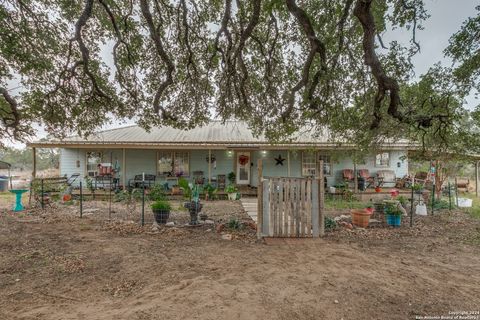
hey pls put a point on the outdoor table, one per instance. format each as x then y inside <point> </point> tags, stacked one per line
<point>18,199</point>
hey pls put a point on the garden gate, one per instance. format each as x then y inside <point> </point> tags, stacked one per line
<point>292,207</point>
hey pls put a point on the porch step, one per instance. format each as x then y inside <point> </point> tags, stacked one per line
<point>250,207</point>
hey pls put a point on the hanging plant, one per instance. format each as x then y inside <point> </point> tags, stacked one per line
<point>243,159</point>
<point>212,159</point>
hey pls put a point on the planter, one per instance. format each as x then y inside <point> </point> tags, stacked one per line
<point>161,216</point>
<point>360,217</point>
<point>193,208</point>
<point>232,196</point>
<point>378,189</point>
<point>394,220</point>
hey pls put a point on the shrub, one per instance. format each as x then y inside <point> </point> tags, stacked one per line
<point>234,224</point>
<point>231,177</point>
<point>330,224</point>
<point>185,186</point>
<point>161,205</point>
<point>231,189</point>
<point>157,193</point>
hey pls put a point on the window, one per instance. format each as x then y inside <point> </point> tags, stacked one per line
<point>309,164</point>
<point>173,163</point>
<point>382,159</point>
<point>93,160</point>
<point>327,164</point>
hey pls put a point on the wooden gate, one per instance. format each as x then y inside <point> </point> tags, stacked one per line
<point>291,207</point>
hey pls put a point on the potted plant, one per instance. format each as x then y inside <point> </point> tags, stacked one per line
<point>369,208</point>
<point>360,217</point>
<point>378,189</point>
<point>161,211</point>
<point>231,190</point>
<point>210,192</point>
<point>231,177</point>
<point>393,213</point>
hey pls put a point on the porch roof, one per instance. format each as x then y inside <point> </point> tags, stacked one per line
<point>216,134</point>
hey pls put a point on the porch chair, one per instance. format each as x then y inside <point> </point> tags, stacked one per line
<point>221,178</point>
<point>386,176</point>
<point>348,175</point>
<point>198,178</point>
<point>365,174</point>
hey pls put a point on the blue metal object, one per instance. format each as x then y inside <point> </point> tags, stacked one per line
<point>18,199</point>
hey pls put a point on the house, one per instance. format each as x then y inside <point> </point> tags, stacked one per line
<point>211,152</point>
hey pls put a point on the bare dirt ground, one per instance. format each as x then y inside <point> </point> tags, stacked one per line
<point>54,265</point>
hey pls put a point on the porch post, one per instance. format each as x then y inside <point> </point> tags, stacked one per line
<point>355,177</point>
<point>259,199</point>
<point>321,201</point>
<point>34,155</point>
<point>288,163</point>
<point>209,166</point>
<point>124,169</point>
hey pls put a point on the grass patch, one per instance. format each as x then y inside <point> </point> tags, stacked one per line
<point>331,203</point>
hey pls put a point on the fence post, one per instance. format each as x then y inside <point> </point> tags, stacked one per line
<point>411,207</point>
<point>433,196</point>
<point>41,195</point>
<point>143,203</point>
<point>110,199</point>
<point>449,196</point>
<point>456,191</point>
<point>81,199</point>
<point>321,202</point>
<point>259,199</point>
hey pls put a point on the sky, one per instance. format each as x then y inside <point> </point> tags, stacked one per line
<point>446,18</point>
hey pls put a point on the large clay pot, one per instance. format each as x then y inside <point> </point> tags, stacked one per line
<point>360,217</point>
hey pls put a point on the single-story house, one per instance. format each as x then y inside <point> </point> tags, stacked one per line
<point>211,153</point>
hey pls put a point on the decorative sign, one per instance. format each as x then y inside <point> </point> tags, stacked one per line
<point>279,160</point>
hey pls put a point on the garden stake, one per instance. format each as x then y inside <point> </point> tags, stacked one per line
<point>456,191</point>
<point>110,200</point>
<point>41,195</point>
<point>143,204</point>
<point>81,200</point>
<point>411,209</point>
<point>449,196</point>
<point>433,196</point>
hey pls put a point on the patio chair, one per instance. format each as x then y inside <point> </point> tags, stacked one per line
<point>137,181</point>
<point>386,177</point>
<point>348,175</point>
<point>198,178</point>
<point>365,174</point>
<point>221,178</point>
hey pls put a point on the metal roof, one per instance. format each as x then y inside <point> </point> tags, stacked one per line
<point>229,134</point>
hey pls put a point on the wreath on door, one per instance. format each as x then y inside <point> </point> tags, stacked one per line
<point>243,159</point>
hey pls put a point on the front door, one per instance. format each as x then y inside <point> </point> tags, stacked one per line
<point>243,167</point>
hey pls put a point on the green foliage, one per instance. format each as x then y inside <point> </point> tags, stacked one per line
<point>338,204</point>
<point>230,189</point>
<point>234,224</point>
<point>157,192</point>
<point>391,208</point>
<point>403,200</point>
<point>21,159</point>
<point>161,205</point>
<point>186,188</point>
<point>211,191</point>
<point>330,223</point>
<point>128,196</point>
<point>231,177</point>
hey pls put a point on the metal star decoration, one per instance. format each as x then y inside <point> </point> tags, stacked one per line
<point>279,160</point>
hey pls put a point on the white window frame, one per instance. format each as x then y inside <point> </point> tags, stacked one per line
<point>381,164</point>
<point>89,171</point>
<point>312,168</point>
<point>173,155</point>
<point>329,163</point>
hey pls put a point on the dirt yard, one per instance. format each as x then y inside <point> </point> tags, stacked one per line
<point>54,265</point>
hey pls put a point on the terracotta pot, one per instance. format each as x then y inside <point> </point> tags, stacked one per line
<point>378,189</point>
<point>360,217</point>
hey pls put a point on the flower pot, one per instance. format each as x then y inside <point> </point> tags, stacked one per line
<point>394,220</point>
<point>360,217</point>
<point>378,189</point>
<point>161,216</point>
<point>232,196</point>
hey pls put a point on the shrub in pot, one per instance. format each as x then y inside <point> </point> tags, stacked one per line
<point>360,217</point>
<point>231,190</point>
<point>393,213</point>
<point>161,211</point>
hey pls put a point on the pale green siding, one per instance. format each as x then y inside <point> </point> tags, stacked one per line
<point>139,161</point>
